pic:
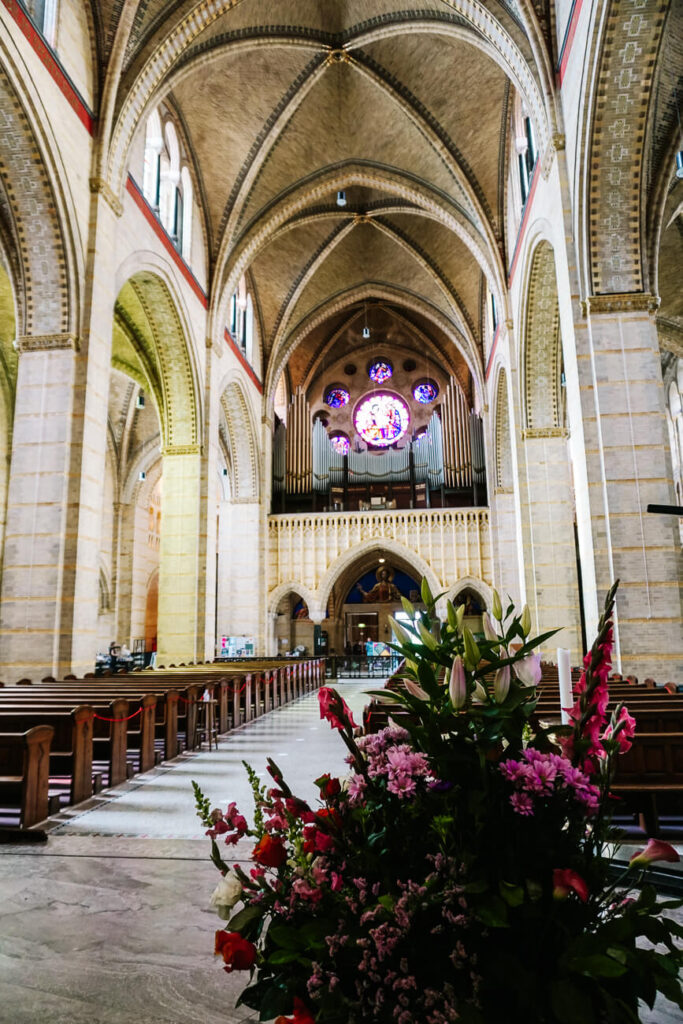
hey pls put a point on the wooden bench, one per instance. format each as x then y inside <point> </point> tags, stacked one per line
<point>70,761</point>
<point>651,774</point>
<point>24,773</point>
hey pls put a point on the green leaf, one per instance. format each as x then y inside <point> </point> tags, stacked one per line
<point>285,937</point>
<point>492,911</point>
<point>598,966</point>
<point>287,956</point>
<point>570,1003</point>
<point>243,918</point>
<point>512,894</point>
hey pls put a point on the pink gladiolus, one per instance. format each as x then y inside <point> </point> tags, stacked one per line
<point>457,686</point>
<point>415,690</point>
<point>501,684</point>
<point>566,881</point>
<point>623,733</point>
<point>528,670</point>
<point>655,850</point>
<point>335,709</point>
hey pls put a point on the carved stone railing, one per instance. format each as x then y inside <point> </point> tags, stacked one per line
<point>312,551</point>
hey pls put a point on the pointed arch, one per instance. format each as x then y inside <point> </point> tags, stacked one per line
<point>541,346</point>
<point>503,440</point>
<point>243,441</point>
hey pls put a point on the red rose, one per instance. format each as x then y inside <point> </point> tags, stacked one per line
<point>270,851</point>
<point>239,954</point>
<point>302,1015</point>
<point>329,787</point>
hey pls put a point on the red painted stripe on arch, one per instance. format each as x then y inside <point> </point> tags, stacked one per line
<point>52,64</point>
<point>245,365</point>
<point>492,353</point>
<point>568,40</point>
<point>525,218</point>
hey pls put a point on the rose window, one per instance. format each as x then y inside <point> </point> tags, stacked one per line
<point>382,419</point>
<point>425,392</point>
<point>336,397</point>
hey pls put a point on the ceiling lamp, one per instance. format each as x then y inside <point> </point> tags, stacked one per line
<point>366,331</point>
<point>341,197</point>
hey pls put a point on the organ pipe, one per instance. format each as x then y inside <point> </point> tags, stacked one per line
<point>299,445</point>
<point>456,438</point>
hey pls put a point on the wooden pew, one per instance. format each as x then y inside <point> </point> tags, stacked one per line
<point>24,773</point>
<point>71,747</point>
<point>650,774</point>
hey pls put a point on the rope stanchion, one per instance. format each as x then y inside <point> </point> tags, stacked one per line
<point>126,719</point>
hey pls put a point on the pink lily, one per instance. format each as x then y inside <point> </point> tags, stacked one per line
<point>415,690</point>
<point>528,670</point>
<point>457,686</point>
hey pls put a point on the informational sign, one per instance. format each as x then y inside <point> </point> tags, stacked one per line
<point>376,649</point>
<point>237,647</point>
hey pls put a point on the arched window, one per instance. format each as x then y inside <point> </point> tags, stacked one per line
<point>248,346</point>
<point>525,149</point>
<point>170,177</point>
<point>186,225</point>
<point>154,143</point>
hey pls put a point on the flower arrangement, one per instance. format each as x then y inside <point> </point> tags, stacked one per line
<point>461,872</point>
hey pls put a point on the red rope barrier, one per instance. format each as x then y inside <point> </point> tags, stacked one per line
<point>127,719</point>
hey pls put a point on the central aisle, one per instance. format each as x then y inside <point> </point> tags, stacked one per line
<point>160,804</point>
<point>110,922</point>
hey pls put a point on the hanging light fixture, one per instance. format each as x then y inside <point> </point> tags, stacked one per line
<point>366,329</point>
<point>341,197</point>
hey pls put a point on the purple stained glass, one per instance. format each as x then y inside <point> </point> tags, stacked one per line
<point>382,419</point>
<point>380,371</point>
<point>340,443</point>
<point>336,397</point>
<point>425,392</point>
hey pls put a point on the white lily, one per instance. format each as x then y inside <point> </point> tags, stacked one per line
<point>528,670</point>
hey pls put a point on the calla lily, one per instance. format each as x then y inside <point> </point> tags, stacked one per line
<point>528,670</point>
<point>457,686</point>
<point>415,690</point>
<point>489,629</point>
<point>525,620</point>
<point>655,850</point>
<point>566,881</point>
<point>501,684</point>
<point>496,606</point>
<point>480,696</point>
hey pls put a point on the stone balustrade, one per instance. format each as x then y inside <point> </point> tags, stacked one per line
<point>309,552</point>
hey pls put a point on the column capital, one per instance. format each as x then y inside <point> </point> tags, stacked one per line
<point>98,186</point>
<point>46,342</point>
<point>530,433</point>
<point>620,302</point>
<point>181,449</point>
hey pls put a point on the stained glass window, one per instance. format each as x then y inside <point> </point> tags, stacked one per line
<point>340,443</point>
<point>336,397</point>
<point>425,392</point>
<point>382,419</point>
<point>380,371</point>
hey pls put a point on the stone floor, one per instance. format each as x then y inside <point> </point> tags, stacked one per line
<point>109,922</point>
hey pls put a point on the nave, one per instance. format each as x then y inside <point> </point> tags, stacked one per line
<point>110,922</point>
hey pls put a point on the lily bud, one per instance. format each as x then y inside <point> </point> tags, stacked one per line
<point>528,670</point>
<point>496,607</point>
<point>408,607</point>
<point>480,696</point>
<point>459,615</point>
<point>489,630</point>
<point>472,652</point>
<point>411,666</point>
<point>425,635</point>
<point>525,620</point>
<point>452,617</point>
<point>457,685</point>
<point>426,593</point>
<point>436,630</point>
<point>415,690</point>
<point>501,684</point>
<point>401,634</point>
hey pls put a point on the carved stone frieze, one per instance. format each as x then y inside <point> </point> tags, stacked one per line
<point>46,342</point>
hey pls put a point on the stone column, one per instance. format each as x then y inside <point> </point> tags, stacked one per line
<point>548,528</point>
<point>178,628</point>
<point>628,468</point>
<point>240,585</point>
<point>33,582</point>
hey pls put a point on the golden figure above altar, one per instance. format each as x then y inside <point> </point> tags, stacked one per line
<point>384,589</point>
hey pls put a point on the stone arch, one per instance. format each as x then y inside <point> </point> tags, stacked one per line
<point>243,441</point>
<point>541,345</point>
<point>482,589</point>
<point>503,439</point>
<point>302,591</point>
<point>32,208</point>
<point>360,553</point>
<point>151,344</point>
<point>8,376</point>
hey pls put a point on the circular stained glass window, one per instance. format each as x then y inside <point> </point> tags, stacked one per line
<point>425,392</point>
<point>340,443</point>
<point>336,397</point>
<point>382,419</point>
<point>380,371</point>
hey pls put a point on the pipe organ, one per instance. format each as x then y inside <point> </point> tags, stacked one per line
<point>448,457</point>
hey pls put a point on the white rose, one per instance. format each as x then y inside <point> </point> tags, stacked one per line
<point>227,893</point>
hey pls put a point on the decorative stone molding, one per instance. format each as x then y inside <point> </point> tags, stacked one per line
<point>181,449</point>
<point>620,302</point>
<point>557,143</point>
<point>339,57</point>
<point>98,186</point>
<point>46,342</point>
<point>533,432</point>
<point>670,333</point>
